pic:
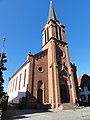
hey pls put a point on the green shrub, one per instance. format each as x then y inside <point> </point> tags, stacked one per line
<point>3,102</point>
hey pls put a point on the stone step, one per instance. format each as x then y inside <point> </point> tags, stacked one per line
<point>44,106</point>
<point>67,106</point>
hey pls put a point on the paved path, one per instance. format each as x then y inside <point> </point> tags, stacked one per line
<point>56,114</point>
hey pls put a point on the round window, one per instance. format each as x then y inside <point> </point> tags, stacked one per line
<point>40,69</point>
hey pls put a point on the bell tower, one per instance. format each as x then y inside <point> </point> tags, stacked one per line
<point>60,73</point>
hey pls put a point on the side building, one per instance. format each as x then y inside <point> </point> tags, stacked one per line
<point>84,87</point>
<point>17,85</point>
<point>50,78</point>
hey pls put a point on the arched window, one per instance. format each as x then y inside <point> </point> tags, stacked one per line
<point>24,78</point>
<point>20,81</point>
<point>16,83</point>
<point>13,85</point>
<point>47,34</point>
<point>9,88</point>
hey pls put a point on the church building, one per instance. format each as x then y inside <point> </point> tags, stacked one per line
<point>48,77</point>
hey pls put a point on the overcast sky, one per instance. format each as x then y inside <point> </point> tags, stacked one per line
<point>21,22</point>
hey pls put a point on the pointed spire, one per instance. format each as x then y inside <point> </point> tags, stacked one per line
<point>51,12</point>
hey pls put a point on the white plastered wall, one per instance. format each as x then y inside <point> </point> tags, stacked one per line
<point>13,90</point>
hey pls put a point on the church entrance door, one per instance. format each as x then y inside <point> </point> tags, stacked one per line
<point>40,96</point>
<point>40,92</point>
<point>64,93</point>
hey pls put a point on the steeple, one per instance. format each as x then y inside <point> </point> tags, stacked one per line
<point>51,15</point>
<point>53,29</point>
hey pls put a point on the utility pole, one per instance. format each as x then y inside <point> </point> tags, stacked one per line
<point>3,46</point>
<point>3,55</point>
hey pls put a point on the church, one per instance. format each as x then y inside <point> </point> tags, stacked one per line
<point>48,77</point>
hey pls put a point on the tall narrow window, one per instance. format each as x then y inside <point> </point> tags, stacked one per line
<point>20,81</point>
<point>13,85</point>
<point>57,33</point>
<point>16,83</point>
<point>24,78</point>
<point>9,88</point>
<point>60,33</point>
<point>47,34</point>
